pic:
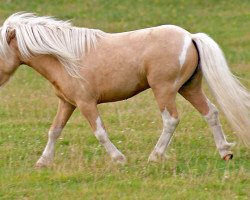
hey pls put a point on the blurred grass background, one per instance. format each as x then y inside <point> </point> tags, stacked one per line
<point>82,169</point>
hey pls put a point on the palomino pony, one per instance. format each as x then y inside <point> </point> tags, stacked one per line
<point>88,67</point>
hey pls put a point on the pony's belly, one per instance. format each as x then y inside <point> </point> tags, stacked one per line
<point>121,94</point>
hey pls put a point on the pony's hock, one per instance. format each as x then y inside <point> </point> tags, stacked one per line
<point>88,67</point>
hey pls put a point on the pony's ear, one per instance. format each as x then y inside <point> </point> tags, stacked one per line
<point>11,34</point>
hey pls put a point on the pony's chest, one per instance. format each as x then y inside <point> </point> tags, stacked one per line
<point>63,94</point>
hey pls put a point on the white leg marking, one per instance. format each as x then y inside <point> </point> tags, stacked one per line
<point>169,125</point>
<point>48,154</point>
<point>220,140</point>
<point>186,43</point>
<point>102,136</point>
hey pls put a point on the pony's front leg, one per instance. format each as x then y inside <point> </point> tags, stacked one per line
<point>89,110</point>
<point>64,112</point>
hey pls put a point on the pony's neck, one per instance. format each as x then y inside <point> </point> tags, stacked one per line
<point>48,66</point>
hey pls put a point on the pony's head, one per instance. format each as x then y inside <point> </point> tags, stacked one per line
<point>9,59</point>
<point>36,35</point>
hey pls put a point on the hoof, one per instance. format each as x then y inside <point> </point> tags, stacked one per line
<point>43,163</point>
<point>41,166</point>
<point>228,157</point>
<point>119,159</point>
<point>156,157</point>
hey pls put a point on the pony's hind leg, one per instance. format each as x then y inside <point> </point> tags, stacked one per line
<point>63,114</point>
<point>89,110</point>
<point>192,91</point>
<point>166,102</point>
<point>221,143</point>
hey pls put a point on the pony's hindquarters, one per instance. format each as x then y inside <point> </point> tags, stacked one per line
<point>231,95</point>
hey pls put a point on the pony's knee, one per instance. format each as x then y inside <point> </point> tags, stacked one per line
<point>54,133</point>
<point>101,136</point>
<point>100,132</point>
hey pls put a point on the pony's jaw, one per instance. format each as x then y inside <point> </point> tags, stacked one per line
<point>3,78</point>
<point>7,68</point>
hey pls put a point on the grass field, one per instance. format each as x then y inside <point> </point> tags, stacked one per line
<point>82,169</point>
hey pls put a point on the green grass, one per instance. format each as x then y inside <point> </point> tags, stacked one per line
<point>82,169</point>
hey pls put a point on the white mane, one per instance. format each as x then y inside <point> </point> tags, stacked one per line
<point>45,35</point>
<point>2,52</point>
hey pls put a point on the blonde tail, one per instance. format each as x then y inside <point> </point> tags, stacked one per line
<point>231,95</point>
